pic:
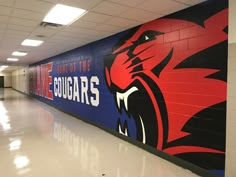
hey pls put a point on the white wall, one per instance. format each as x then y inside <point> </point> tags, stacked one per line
<point>231,96</point>
<point>7,79</point>
<point>20,80</point>
<point>231,114</point>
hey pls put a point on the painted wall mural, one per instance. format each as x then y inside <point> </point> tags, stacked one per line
<point>162,83</point>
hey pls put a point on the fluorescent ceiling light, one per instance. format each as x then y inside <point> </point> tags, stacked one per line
<point>16,53</point>
<point>12,59</point>
<point>2,67</point>
<point>31,42</point>
<point>63,15</point>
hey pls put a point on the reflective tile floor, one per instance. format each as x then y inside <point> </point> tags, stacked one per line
<point>37,140</point>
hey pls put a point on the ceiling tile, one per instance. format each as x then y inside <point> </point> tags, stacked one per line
<point>14,37</point>
<point>34,5</point>
<point>83,24</point>
<point>48,45</point>
<point>107,28</point>
<point>162,6</point>
<point>173,10</point>
<point>110,8</point>
<point>190,2</point>
<point>80,37</point>
<point>52,1</point>
<point>47,32</point>
<point>95,17</point>
<point>109,34</point>
<point>28,14</point>
<point>66,34</point>
<point>24,48</point>
<point>84,4</point>
<point>131,3</point>
<point>6,2</point>
<point>5,10</point>
<point>62,39</point>
<point>122,22</point>
<point>140,15</point>
<point>3,19</point>
<point>3,26</point>
<point>23,22</point>
<point>85,32</point>
<point>20,28</point>
<point>19,33</point>
<point>11,42</point>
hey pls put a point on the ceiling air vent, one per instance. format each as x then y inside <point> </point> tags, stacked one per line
<point>47,24</point>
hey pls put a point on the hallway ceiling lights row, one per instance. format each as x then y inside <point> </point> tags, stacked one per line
<point>31,42</point>
<point>12,59</point>
<point>60,15</point>
<point>18,53</point>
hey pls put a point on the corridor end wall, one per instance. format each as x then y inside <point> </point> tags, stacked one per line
<point>162,84</point>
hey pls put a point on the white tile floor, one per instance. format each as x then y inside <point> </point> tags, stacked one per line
<point>37,140</point>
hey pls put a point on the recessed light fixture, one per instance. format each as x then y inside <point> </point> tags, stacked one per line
<point>12,59</point>
<point>63,15</point>
<point>18,53</point>
<point>2,67</point>
<point>31,42</point>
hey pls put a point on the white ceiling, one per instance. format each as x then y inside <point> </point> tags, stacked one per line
<point>20,19</point>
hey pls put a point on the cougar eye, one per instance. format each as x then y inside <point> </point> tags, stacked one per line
<point>148,36</point>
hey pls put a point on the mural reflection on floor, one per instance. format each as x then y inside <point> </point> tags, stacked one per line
<point>43,141</point>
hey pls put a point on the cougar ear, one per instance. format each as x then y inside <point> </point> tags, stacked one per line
<point>217,20</point>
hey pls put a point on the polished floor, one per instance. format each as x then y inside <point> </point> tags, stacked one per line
<point>37,140</point>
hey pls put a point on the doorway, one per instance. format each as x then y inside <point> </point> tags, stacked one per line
<point>1,81</point>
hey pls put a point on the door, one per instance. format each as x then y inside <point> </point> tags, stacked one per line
<point>1,81</point>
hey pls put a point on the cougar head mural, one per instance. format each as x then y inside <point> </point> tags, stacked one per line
<point>153,82</point>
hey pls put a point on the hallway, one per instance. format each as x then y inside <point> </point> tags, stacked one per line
<point>39,141</point>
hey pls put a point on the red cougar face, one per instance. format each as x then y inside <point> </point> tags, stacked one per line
<point>131,78</point>
<point>146,76</point>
